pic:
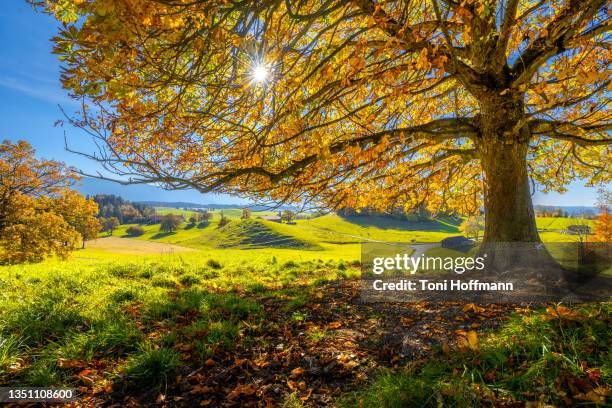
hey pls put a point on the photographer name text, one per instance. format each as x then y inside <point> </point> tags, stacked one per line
<point>445,285</point>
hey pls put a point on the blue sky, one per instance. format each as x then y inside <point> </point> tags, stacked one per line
<point>30,93</point>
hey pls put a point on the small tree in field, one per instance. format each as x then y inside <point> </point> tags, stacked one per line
<point>110,224</point>
<point>170,223</point>
<point>204,216</point>
<point>287,216</point>
<point>223,220</point>
<point>471,226</point>
<point>246,213</point>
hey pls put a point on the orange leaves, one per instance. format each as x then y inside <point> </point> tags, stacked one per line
<point>471,307</point>
<point>357,63</point>
<point>422,61</point>
<point>297,385</point>
<point>562,312</point>
<point>242,389</point>
<point>327,71</point>
<point>70,364</point>
<point>467,341</point>
<point>334,325</point>
<point>296,372</point>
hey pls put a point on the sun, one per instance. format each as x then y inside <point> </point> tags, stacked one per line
<point>260,73</point>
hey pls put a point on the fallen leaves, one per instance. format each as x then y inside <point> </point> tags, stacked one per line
<point>471,307</point>
<point>597,395</point>
<point>242,389</point>
<point>296,372</point>
<point>468,341</point>
<point>334,325</point>
<point>561,312</point>
<point>70,364</point>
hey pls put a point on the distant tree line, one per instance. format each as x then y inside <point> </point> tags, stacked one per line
<point>124,211</point>
<point>421,213</point>
<point>554,213</point>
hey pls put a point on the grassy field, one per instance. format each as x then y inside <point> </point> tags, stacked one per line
<point>258,306</point>
<point>330,235</point>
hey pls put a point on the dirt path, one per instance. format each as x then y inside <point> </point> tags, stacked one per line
<point>135,246</point>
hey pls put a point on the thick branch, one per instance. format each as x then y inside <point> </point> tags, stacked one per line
<point>559,33</point>
<point>570,132</point>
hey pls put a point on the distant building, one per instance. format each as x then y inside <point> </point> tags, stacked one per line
<point>578,229</point>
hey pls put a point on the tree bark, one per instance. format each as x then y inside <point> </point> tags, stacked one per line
<point>509,215</point>
<point>511,238</point>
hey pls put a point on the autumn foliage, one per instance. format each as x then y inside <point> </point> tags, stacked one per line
<point>361,103</point>
<point>39,214</point>
<point>603,226</point>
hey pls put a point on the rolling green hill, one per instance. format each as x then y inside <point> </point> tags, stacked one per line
<point>247,234</point>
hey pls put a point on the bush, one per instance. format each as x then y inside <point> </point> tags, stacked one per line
<point>213,263</point>
<point>135,231</point>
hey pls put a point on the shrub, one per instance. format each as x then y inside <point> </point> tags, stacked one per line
<point>135,231</point>
<point>213,263</point>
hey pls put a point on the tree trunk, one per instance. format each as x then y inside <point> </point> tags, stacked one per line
<point>511,240</point>
<point>509,215</point>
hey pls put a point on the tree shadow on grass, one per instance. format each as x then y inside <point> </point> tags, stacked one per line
<point>163,235</point>
<point>331,346</point>
<point>382,222</point>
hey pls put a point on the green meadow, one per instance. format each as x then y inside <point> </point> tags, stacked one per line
<point>158,316</point>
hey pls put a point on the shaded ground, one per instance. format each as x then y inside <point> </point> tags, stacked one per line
<point>123,245</point>
<point>330,344</point>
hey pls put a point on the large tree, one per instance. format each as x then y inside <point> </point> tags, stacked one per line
<point>348,103</point>
<point>39,215</point>
<point>22,174</point>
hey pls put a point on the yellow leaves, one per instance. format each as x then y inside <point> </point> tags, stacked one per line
<point>104,8</point>
<point>422,61</point>
<point>471,307</point>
